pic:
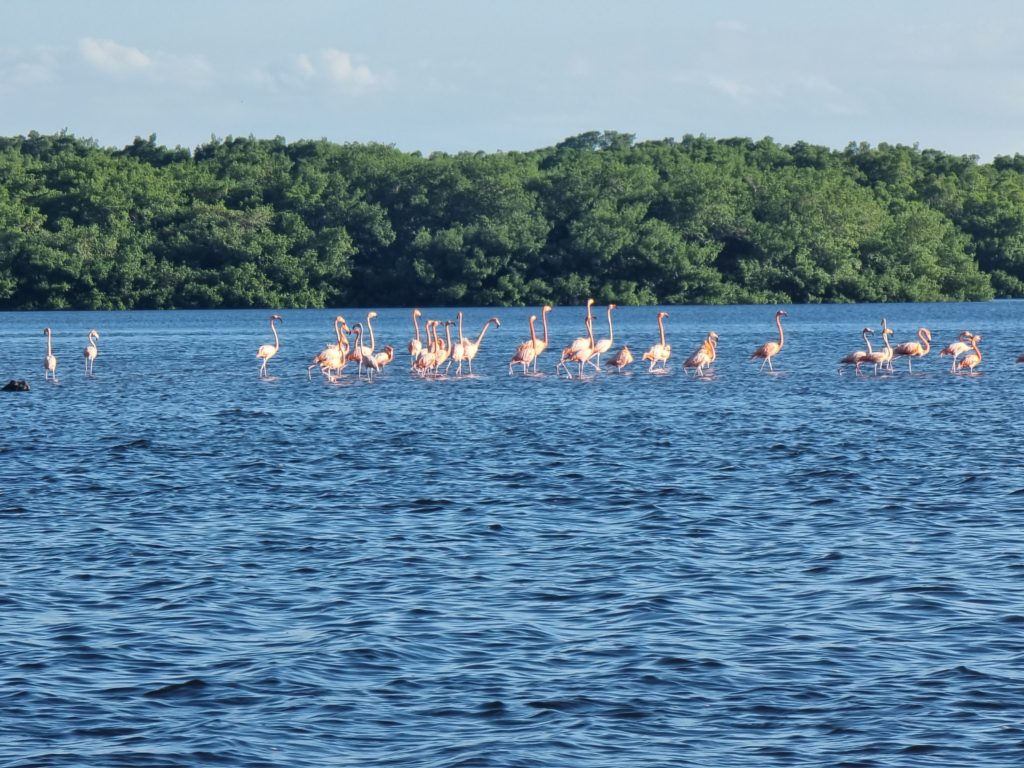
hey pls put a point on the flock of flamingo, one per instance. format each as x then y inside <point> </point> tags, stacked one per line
<point>432,355</point>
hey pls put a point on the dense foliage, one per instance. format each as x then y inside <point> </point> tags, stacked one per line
<point>242,222</point>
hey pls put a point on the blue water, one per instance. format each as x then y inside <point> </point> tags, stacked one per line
<point>200,567</point>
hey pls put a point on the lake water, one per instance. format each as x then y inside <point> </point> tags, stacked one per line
<point>202,567</point>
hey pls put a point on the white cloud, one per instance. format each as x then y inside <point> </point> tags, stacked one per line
<point>119,60</point>
<point>108,56</point>
<point>30,67</point>
<point>336,67</point>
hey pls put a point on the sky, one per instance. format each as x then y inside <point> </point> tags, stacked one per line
<point>483,75</point>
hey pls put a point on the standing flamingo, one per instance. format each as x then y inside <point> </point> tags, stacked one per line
<point>770,349</point>
<point>581,342</point>
<point>472,347</point>
<point>415,346</point>
<point>426,360</point>
<point>879,358</point>
<point>912,349</point>
<point>90,352</point>
<point>362,351</point>
<point>526,352</point>
<point>459,350</point>
<point>445,351</point>
<point>957,348</point>
<point>703,356</point>
<point>267,351</point>
<point>539,345</point>
<point>603,345</point>
<point>50,361</point>
<point>660,352</point>
<point>333,357</point>
<point>581,354</point>
<point>620,359</point>
<point>973,359</point>
<point>856,358</point>
<point>366,359</point>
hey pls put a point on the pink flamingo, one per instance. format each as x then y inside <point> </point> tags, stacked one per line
<point>857,357</point>
<point>973,359</point>
<point>267,351</point>
<point>50,361</point>
<point>660,352</point>
<point>526,352</point>
<point>620,359</point>
<point>770,349</point>
<point>957,348</point>
<point>704,355</point>
<point>472,347</point>
<point>912,349</point>
<point>90,352</point>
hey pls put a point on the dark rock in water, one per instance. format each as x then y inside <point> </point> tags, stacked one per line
<point>16,385</point>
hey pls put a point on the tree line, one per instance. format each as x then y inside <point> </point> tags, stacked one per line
<point>246,222</point>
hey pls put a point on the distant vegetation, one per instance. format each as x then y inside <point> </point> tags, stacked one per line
<point>242,222</point>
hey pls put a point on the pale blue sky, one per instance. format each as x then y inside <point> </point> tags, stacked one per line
<point>457,75</point>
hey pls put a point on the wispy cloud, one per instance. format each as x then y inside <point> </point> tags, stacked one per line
<point>29,67</point>
<point>112,58</point>
<point>336,67</point>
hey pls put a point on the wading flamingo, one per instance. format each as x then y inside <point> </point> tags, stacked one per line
<point>90,352</point>
<point>770,349</point>
<point>361,351</point>
<point>333,357</point>
<point>426,360</point>
<point>957,348</point>
<point>603,345</point>
<point>366,359</point>
<point>582,342</point>
<point>539,345</point>
<point>472,347</point>
<point>415,346</point>
<point>267,351</point>
<point>50,361</point>
<point>972,360</point>
<point>444,351</point>
<point>857,357</point>
<point>703,356</point>
<point>582,354</point>
<point>660,352</point>
<point>878,358</point>
<point>459,350</point>
<point>620,359</point>
<point>526,352</point>
<point>912,349</point>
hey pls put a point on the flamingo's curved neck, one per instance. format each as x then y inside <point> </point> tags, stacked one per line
<point>533,332</point>
<point>924,340</point>
<point>974,344</point>
<point>483,331</point>
<point>661,329</point>
<point>778,322</point>
<point>416,324</point>
<point>49,348</point>
<point>544,319</point>
<point>461,337</point>
<point>277,341</point>
<point>867,341</point>
<point>611,333</point>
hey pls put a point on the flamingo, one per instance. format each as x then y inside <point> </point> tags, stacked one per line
<point>621,359</point>
<point>582,354</point>
<point>857,357</point>
<point>879,358</point>
<point>366,359</point>
<point>603,345</point>
<point>384,357</point>
<point>426,360</point>
<point>333,357</point>
<point>957,348</point>
<point>539,345</point>
<point>472,347</point>
<point>415,346</point>
<point>912,349</point>
<point>267,351</point>
<point>459,351</point>
<point>770,349</point>
<point>50,361</point>
<point>661,351</point>
<point>90,352</point>
<point>362,351</point>
<point>526,352</point>
<point>704,354</point>
<point>582,342</point>
<point>973,359</point>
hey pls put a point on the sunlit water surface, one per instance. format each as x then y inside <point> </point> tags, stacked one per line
<point>202,567</point>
